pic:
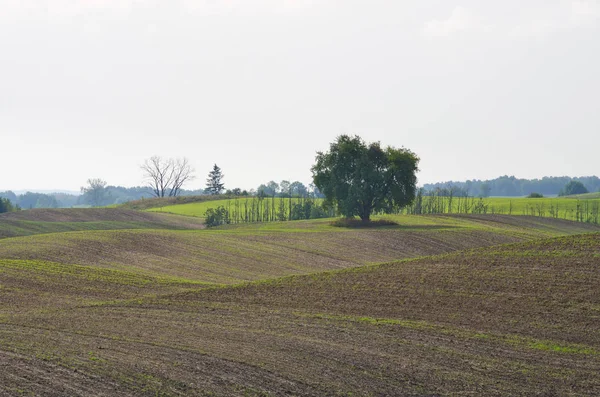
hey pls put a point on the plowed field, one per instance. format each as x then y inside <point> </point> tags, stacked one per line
<point>437,306</point>
<point>42,221</point>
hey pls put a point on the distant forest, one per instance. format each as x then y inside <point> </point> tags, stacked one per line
<point>509,186</point>
<point>504,186</point>
<point>112,195</point>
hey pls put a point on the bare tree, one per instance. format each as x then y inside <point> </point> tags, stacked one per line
<point>158,174</point>
<point>182,172</point>
<point>166,176</point>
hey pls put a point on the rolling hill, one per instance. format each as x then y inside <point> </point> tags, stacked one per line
<point>249,252</point>
<point>437,305</point>
<point>42,221</point>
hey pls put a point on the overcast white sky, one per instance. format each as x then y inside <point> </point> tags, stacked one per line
<point>478,89</point>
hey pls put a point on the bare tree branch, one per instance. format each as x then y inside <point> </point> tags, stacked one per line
<point>166,176</point>
<point>182,172</point>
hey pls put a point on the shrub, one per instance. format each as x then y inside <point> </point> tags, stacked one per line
<point>216,216</point>
<point>535,195</point>
<point>317,212</point>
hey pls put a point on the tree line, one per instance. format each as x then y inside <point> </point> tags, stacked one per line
<point>6,206</point>
<point>354,178</point>
<point>259,208</point>
<point>510,186</point>
<point>31,200</point>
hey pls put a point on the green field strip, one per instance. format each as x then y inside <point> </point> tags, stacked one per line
<point>198,209</point>
<point>512,340</point>
<point>112,276</point>
<point>26,228</point>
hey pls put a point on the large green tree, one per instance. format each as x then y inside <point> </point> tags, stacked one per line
<point>573,187</point>
<point>361,178</point>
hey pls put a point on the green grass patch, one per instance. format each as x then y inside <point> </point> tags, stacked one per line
<point>157,202</point>
<point>515,340</point>
<point>586,196</point>
<point>241,205</point>
<point>17,227</point>
<point>41,269</point>
<point>555,347</point>
<point>28,228</point>
<point>555,207</point>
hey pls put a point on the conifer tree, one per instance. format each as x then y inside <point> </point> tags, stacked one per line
<point>214,182</point>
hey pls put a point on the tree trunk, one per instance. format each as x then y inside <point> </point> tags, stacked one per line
<point>365,216</point>
<point>364,212</point>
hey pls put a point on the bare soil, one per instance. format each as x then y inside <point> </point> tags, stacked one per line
<point>472,318</point>
<point>89,215</point>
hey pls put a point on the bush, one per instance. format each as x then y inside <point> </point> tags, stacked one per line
<point>317,212</point>
<point>535,195</point>
<point>216,216</point>
<point>308,209</point>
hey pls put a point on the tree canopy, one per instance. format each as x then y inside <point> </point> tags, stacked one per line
<point>6,205</point>
<point>361,178</point>
<point>573,187</point>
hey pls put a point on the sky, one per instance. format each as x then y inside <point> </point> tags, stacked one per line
<point>477,89</point>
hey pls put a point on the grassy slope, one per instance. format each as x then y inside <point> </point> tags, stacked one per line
<point>586,196</point>
<point>190,209</point>
<point>198,209</point>
<point>40,221</point>
<point>520,319</point>
<point>155,202</point>
<point>566,207</point>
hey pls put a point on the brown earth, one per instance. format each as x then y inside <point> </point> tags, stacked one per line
<point>519,319</point>
<point>513,320</point>
<point>556,225</point>
<point>94,215</point>
<point>235,257</point>
<point>45,221</point>
<point>231,256</point>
